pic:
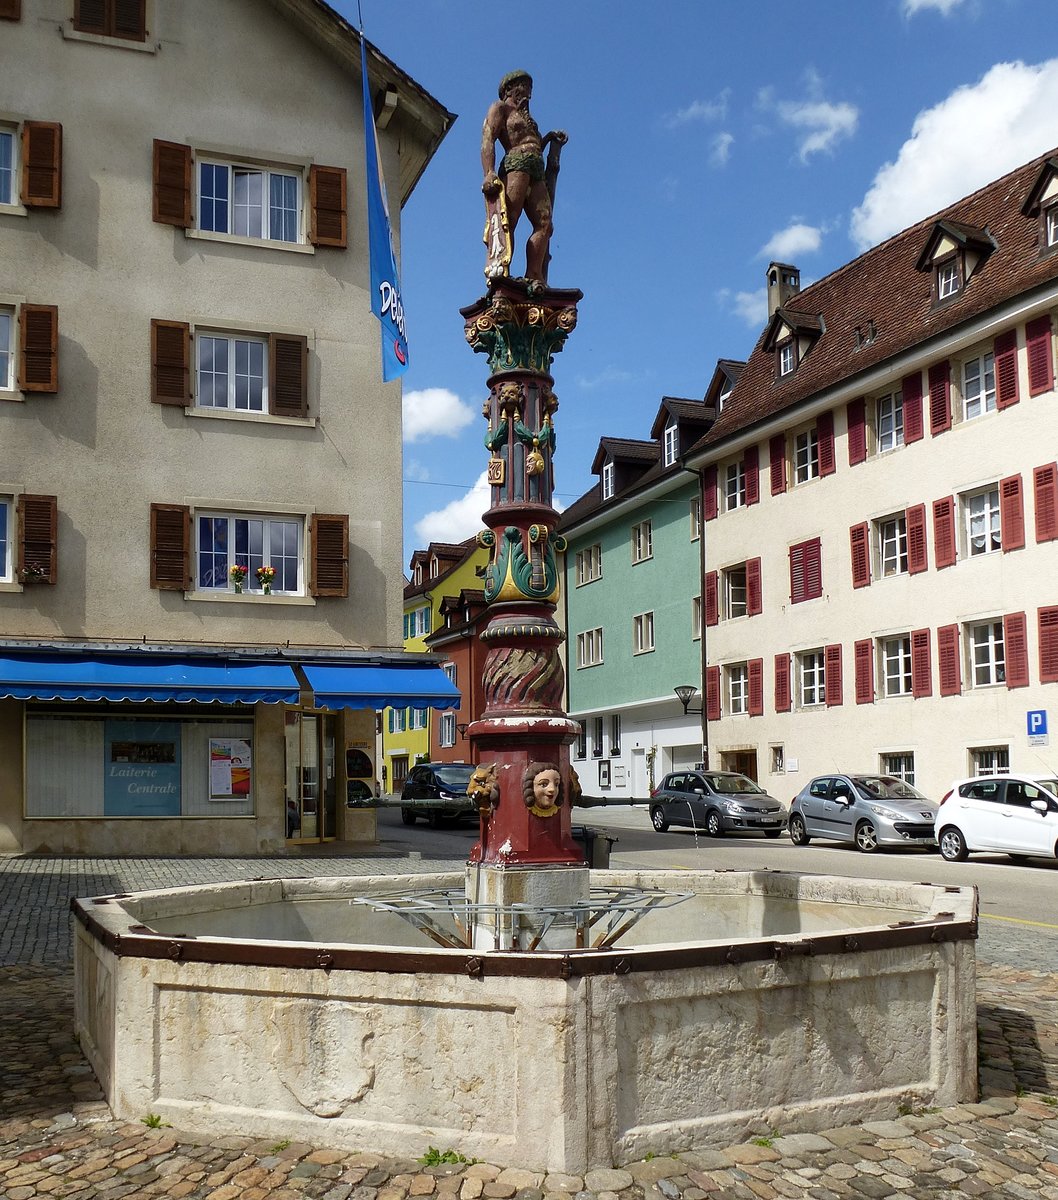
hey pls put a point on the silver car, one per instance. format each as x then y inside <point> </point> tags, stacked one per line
<point>717,802</point>
<point>867,810</point>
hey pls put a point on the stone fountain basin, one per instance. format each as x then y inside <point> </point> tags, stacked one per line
<point>767,1001</point>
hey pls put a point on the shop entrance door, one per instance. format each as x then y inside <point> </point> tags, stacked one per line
<point>311,784</point>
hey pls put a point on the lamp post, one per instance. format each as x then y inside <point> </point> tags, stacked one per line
<point>685,693</point>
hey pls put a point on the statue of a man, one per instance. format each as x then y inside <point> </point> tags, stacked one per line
<point>528,184</point>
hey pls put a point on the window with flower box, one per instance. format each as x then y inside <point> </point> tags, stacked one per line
<point>224,541</point>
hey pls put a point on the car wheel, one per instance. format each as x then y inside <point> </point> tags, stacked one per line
<point>772,833</point>
<point>657,819</point>
<point>866,837</point>
<point>407,816</point>
<point>798,833</point>
<point>952,844</point>
<point>714,827</point>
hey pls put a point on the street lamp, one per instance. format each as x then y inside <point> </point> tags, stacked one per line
<point>685,693</point>
<point>462,729</point>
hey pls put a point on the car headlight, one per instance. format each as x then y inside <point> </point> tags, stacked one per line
<point>732,806</point>
<point>882,811</point>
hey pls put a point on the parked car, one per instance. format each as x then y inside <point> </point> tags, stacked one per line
<point>717,802</point>
<point>866,810</point>
<point>1005,814</point>
<point>437,792</point>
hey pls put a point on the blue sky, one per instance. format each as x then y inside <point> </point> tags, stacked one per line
<point>706,137</point>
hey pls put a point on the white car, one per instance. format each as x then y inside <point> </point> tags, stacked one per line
<point>1005,814</point>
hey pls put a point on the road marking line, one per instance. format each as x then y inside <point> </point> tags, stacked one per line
<point>1019,921</point>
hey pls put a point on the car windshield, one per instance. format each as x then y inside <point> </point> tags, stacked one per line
<point>454,778</point>
<point>1050,783</point>
<point>739,785</point>
<point>887,787</point>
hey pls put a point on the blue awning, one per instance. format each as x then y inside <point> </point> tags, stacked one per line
<point>381,686</point>
<point>139,678</point>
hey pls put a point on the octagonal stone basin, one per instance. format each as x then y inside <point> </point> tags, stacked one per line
<point>766,1001</point>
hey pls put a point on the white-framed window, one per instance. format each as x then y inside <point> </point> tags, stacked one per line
<point>900,766</point>
<point>1050,224</point>
<point>225,540</point>
<point>891,533</point>
<point>990,760</point>
<point>607,481</point>
<point>643,633</point>
<point>448,729</point>
<point>896,665</point>
<point>589,648</point>
<point>981,521</point>
<point>615,734</point>
<point>251,201</point>
<point>787,358</point>
<point>979,386</point>
<point>672,443</point>
<point>8,165</point>
<point>811,678</point>
<point>947,278</point>
<point>449,670</point>
<point>596,737</point>
<point>734,485</point>
<point>696,618</point>
<point>7,512</point>
<point>421,625</point>
<point>581,747</point>
<point>231,372</point>
<point>642,541</point>
<point>987,653</point>
<point>889,422</point>
<point>7,349</point>
<point>806,455</point>
<point>418,718</point>
<point>696,518</point>
<point>735,594</point>
<point>589,564</point>
<point>737,688</point>
<point>398,720</point>
<point>778,760</point>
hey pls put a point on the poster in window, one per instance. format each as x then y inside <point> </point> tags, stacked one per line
<point>604,772</point>
<point>230,768</point>
<point>142,769</point>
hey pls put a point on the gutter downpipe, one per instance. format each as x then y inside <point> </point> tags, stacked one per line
<point>701,586</point>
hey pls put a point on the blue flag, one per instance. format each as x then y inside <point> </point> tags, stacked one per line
<point>386,302</point>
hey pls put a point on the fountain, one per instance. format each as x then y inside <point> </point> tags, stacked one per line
<point>508,1010</point>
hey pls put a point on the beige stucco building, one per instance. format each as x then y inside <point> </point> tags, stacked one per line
<point>189,383</point>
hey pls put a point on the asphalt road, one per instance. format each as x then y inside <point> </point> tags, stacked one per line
<point>1018,903</point>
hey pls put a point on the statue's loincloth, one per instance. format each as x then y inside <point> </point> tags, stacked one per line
<point>529,162</point>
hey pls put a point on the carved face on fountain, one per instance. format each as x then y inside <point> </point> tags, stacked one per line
<point>542,788</point>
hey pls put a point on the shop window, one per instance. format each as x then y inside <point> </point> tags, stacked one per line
<point>311,779</point>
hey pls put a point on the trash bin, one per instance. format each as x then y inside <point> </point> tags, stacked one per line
<point>594,844</point>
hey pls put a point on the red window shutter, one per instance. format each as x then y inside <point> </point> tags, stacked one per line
<point>170,363</point>
<point>825,436</point>
<point>1040,356</point>
<point>709,495</point>
<point>170,547</point>
<point>38,523</point>
<point>864,655</point>
<point>832,675</point>
<point>11,10</point>
<point>1048,624</point>
<point>41,164</point>
<point>797,574</point>
<point>756,687</point>
<point>911,394</point>
<point>861,555</point>
<point>917,560</point>
<point>712,605</point>
<point>1016,649</point>
<point>330,555</point>
<point>1045,486</point>
<point>1005,351</point>
<point>813,569</point>
<point>38,348</point>
<point>948,662</point>
<point>1011,513</point>
<point>782,696</point>
<point>857,418</point>
<point>939,398</point>
<point>777,452</point>
<point>327,207</point>
<point>921,664</point>
<point>783,701</point>
<point>754,596</point>
<point>288,356</point>
<point>171,173</point>
<point>751,468</point>
<point>944,532</point>
<point>712,693</point>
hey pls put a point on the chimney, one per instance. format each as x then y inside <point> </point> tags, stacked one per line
<point>784,281</point>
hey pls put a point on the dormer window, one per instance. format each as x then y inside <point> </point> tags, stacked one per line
<point>948,280</point>
<point>954,252</point>
<point>1050,224</point>
<point>672,443</point>
<point>1042,204</point>
<point>607,481</point>
<point>787,353</point>
<point>418,573</point>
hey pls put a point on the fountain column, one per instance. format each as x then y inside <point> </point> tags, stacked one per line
<point>525,785</point>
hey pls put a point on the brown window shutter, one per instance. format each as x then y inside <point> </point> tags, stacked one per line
<point>944,532</point>
<point>1005,352</point>
<point>783,701</point>
<point>756,687</point>
<point>917,560</point>
<point>712,693</point>
<point>754,592</point>
<point>327,207</point>
<point>921,664</point>
<point>170,547</point>
<point>38,348</point>
<point>1045,486</point>
<point>128,19</point>
<point>832,675</point>
<point>1016,649</point>
<point>861,555</point>
<point>1011,513</point>
<point>856,412</point>
<point>171,175</point>
<point>777,456</point>
<point>825,436</point>
<point>911,395</point>
<point>1040,356</point>
<point>751,468</point>
<point>11,10</point>
<point>712,606</point>
<point>948,660</point>
<point>330,555</point>
<point>170,363</point>
<point>90,16</point>
<point>864,656</point>
<point>288,392</point>
<point>939,398</point>
<point>38,539</point>
<point>710,505</point>
<point>41,164</point>
<point>1048,626</point>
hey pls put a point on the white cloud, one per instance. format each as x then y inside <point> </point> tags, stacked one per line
<point>1009,116</point>
<point>944,7</point>
<point>700,110</point>
<point>787,244</point>
<point>434,412</point>
<point>458,519</point>
<point>416,470</point>
<point>720,149</point>
<point>823,122</point>
<point>752,307</point>
<point>607,377</point>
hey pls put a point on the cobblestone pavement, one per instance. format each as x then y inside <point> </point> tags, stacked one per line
<point>58,1139</point>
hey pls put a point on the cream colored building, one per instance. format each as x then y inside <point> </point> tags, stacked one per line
<point>881,509</point>
<point>189,382</point>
